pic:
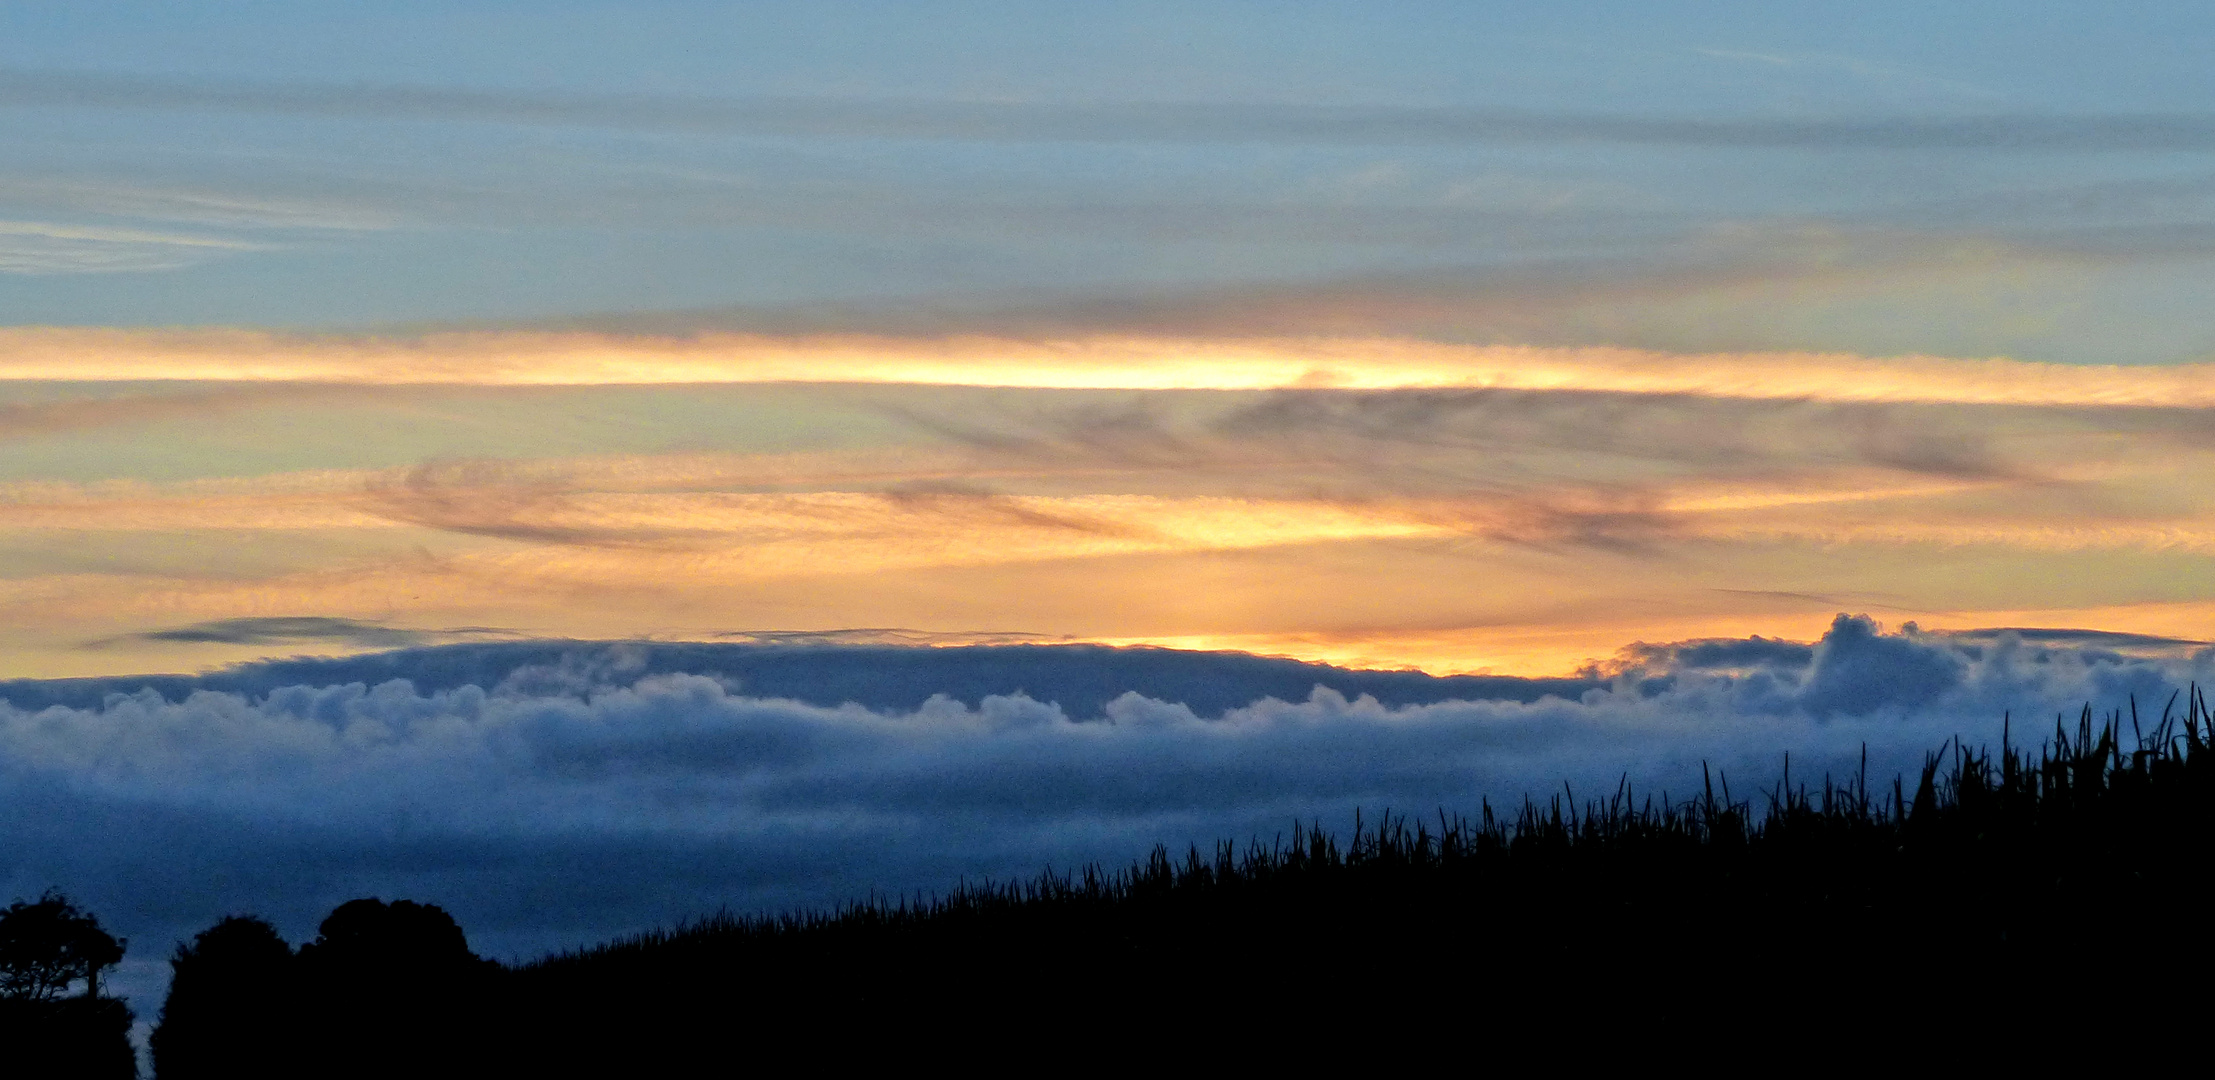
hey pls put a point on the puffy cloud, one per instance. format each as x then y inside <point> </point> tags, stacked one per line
<point>1858,671</point>
<point>553,793</point>
<point>879,670</point>
<point>1724,654</point>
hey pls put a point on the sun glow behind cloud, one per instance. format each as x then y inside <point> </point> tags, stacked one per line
<point>1381,501</point>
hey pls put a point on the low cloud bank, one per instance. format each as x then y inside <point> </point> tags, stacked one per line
<point>588,790</point>
<point>818,670</point>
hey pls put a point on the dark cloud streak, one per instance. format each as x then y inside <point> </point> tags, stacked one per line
<point>288,630</point>
<point>1530,294</point>
<point>278,630</point>
<point>500,500</point>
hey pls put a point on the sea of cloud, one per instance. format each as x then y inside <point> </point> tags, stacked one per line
<point>585,794</point>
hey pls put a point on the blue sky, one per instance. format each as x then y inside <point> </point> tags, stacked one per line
<point>317,166</point>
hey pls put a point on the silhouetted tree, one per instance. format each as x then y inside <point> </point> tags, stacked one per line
<point>396,991</point>
<point>233,1006</point>
<point>46,946</point>
<point>370,938</point>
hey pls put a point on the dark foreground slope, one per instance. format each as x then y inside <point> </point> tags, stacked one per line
<point>1995,892</point>
<point>1992,887</point>
<point>79,1037</point>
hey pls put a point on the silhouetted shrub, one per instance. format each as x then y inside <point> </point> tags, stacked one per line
<point>233,1008</point>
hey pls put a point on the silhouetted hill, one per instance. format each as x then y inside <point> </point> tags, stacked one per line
<point>78,1037</point>
<point>1995,886</point>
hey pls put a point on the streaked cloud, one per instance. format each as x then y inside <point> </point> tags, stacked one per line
<point>578,359</point>
<point>1457,374</point>
<point>284,630</point>
<point>205,205</point>
<point>1162,122</point>
<point>36,247</point>
<point>34,418</point>
<point>1450,528</point>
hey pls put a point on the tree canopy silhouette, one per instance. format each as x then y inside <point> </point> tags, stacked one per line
<point>385,989</point>
<point>369,938</point>
<point>49,944</point>
<point>233,1005</point>
<point>397,990</point>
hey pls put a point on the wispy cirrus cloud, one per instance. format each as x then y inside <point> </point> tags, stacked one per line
<point>135,407</point>
<point>1171,122</point>
<point>238,205</point>
<point>38,247</point>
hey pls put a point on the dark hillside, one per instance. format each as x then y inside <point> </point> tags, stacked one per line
<point>1992,885</point>
<point>1998,886</point>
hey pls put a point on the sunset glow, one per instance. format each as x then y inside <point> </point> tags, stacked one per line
<point>591,465</point>
<point>1033,496</point>
<point>1093,363</point>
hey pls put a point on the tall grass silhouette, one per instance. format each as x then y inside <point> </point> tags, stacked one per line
<point>1994,883</point>
<point>2000,890</point>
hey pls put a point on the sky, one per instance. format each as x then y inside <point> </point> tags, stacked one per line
<point>1444,336</point>
<point>1527,341</point>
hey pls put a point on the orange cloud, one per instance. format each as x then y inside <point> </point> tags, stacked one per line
<point>1132,363</point>
<point>864,516</point>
